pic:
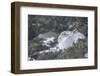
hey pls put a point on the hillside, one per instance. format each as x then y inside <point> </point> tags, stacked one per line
<point>57,37</point>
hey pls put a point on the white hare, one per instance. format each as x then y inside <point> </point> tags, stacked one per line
<point>67,38</point>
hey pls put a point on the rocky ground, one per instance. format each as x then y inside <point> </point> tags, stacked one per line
<point>57,37</point>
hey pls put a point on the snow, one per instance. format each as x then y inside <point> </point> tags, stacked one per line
<point>47,35</point>
<point>47,41</point>
<point>53,49</point>
<point>65,40</point>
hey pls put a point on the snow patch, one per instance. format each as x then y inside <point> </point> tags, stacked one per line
<point>47,41</point>
<point>65,40</point>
